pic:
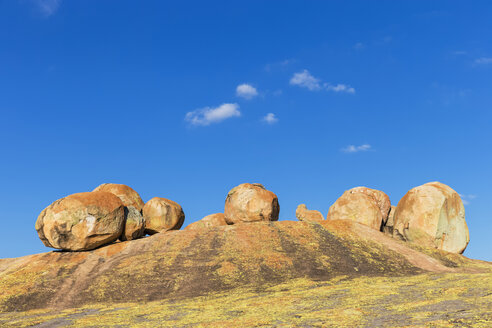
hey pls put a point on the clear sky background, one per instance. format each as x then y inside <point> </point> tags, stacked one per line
<point>187,99</point>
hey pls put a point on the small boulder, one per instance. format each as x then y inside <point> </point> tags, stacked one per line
<point>128,196</point>
<point>432,215</point>
<point>212,220</point>
<point>363,205</point>
<point>161,214</point>
<point>303,214</point>
<point>81,221</point>
<point>134,224</point>
<point>251,203</point>
<point>388,226</point>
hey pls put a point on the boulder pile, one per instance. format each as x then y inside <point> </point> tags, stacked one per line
<point>430,215</point>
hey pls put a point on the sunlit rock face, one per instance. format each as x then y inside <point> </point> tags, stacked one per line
<point>364,205</point>
<point>251,203</point>
<point>210,221</point>
<point>128,196</point>
<point>432,215</point>
<point>81,221</point>
<point>303,214</point>
<point>162,214</point>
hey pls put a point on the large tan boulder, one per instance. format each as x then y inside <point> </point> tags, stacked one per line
<point>128,196</point>
<point>161,214</point>
<point>134,224</point>
<point>432,215</point>
<point>81,221</point>
<point>210,221</point>
<point>251,203</point>
<point>364,205</point>
<point>303,214</point>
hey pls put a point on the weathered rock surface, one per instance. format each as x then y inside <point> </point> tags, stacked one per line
<point>432,215</point>
<point>81,221</point>
<point>251,203</point>
<point>364,205</point>
<point>191,263</point>
<point>134,224</point>
<point>212,220</point>
<point>303,214</point>
<point>128,196</point>
<point>388,226</point>
<point>161,214</point>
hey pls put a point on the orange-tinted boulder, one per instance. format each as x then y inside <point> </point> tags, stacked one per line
<point>303,214</point>
<point>251,203</point>
<point>81,221</point>
<point>134,224</point>
<point>212,220</point>
<point>161,214</point>
<point>128,196</point>
<point>388,226</point>
<point>364,205</point>
<point>432,215</point>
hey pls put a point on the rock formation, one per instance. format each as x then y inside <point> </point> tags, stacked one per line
<point>251,203</point>
<point>303,214</point>
<point>162,214</point>
<point>363,205</point>
<point>81,221</point>
<point>212,220</point>
<point>432,215</point>
<point>388,226</point>
<point>128,196</point>
<point>134,224</point>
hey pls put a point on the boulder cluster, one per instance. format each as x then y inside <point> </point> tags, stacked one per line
<point>429,215</point>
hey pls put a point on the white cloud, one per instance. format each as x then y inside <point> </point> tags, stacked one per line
<point>206,116</point>
<point>466,199</point>
<point>304,79</point>
<point>483,60</point>
<point>270,118</point>
<point>48,7</point>
<point>246,91</point>
<point>340,88</point>
<point>355,149</point>
<point>359,46</point>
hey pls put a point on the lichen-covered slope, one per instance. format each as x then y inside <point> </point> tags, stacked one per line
<point>184,264</point>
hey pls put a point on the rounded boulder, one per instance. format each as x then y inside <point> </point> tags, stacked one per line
<point>432,215</point>
<point>303,214</point>
<point>128,196</point>
<point>364,205</point>
<point>210,221</point>
<point>161,214</point>
<point>251,203</point>
<point>81,221</point>
<point>134,224</point>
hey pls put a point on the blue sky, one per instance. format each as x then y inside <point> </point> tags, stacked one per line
<point>186,99</point>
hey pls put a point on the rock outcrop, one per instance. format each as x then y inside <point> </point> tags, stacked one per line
<point>432,215</point>
<point>364,205</point>
<point>251,203</point>
<point>81,221</point>
<point>161,214</point>
<point>388,226</point>
<point>212,220</point>
<point>303,214</point>
<point>128,196</point>
<point>134,224</point>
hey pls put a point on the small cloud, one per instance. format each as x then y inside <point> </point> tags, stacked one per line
<point>459,53</point>
<point>359,46</point>
<point>277,92</point>
<point>246,91</point>
<point>483,60</point>
<point>466,199</point>
<point>206,116</point>
<point>270,118</point>
<point>356,149</point>
<point>340,88</point>
<point>48,7</point>
<point>304,79</point>
<point>281,64</point>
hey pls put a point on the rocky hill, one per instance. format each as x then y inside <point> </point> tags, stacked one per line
<point>243,268</point>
